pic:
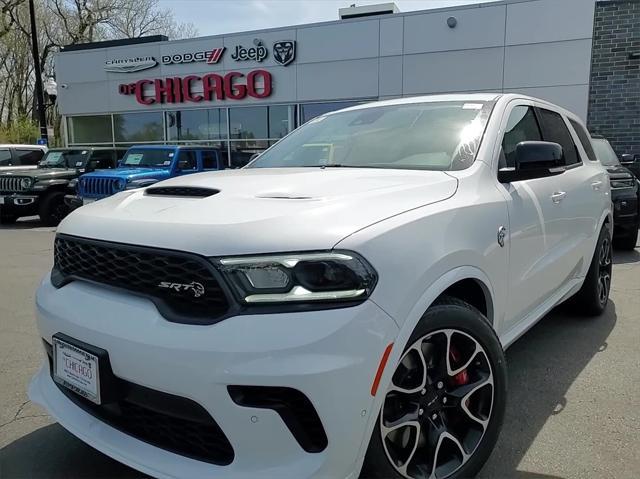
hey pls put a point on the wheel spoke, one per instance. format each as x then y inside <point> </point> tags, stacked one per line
<point>410,419</point>
<point>444,435</point>
<point>423,383</point>
<point>464,393</point>
<point>403,469</point>
<point>453,372</point>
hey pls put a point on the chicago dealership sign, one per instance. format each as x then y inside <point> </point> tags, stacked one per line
<point>195,88</point>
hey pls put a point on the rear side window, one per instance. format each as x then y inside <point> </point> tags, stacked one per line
<point>209,160</point>
<point>29,157</point>
<point>5,158</point>
<point>187,160</point>
<point>522,126</point>
<point>585,139</point>
<point>555,129</point>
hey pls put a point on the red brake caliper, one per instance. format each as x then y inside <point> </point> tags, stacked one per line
<point>462,377</point>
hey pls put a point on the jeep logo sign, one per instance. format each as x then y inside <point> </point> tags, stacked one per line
<point>257,53</point>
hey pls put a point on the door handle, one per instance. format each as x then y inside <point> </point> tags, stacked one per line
<point>596,185</point>
<point>558,196</point>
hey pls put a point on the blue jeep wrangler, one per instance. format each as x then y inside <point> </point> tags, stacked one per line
<point>142,166</point>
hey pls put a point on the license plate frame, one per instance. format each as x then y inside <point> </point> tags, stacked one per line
<point>67,355</point>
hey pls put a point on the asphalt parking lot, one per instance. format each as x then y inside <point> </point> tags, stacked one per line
<point>574,391</point>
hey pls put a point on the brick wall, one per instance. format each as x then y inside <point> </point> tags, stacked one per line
<point>614,95</point>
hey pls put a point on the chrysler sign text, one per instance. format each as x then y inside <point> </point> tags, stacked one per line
<point>195,88</point>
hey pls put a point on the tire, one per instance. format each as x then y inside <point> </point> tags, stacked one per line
<point>439,405</point>
<point>627,242</point>
<point>591,300</point>
<point>8,219</point>
<point>52,209</point>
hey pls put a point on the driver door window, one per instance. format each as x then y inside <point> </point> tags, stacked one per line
<point>522,126</point>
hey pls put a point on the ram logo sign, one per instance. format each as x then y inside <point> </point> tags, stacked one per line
<point>284,52</point>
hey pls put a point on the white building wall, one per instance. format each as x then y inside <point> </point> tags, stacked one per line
<point>538,47</point>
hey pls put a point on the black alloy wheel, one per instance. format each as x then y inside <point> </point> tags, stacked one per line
<point>605,267</point>
<point>443,410</point>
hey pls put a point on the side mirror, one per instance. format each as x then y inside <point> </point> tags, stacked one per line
<point>627,158</point>
<point>534,159</point>
<point>120,163</point>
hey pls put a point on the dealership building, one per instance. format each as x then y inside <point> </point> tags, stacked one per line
<point>244,91</point>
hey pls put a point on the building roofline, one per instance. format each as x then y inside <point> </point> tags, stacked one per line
<point>468,6</point>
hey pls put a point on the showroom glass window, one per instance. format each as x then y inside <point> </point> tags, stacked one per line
<point>90,129</point>
<point>189,125</point>
<point>138,127</point>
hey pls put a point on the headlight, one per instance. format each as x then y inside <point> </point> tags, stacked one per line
<point>73,183</point>
<point>25,183</point>
<point>623,183</point>
<point>304,277</point>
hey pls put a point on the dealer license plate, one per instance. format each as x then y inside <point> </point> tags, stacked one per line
<point>76,369</point>
<point>86,201</point>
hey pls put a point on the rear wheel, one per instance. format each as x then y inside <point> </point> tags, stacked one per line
<point>593,296</point>
<point>443,410</point>
<point>52,208</point>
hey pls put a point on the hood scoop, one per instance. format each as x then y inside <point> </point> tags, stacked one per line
<point>185,191</point>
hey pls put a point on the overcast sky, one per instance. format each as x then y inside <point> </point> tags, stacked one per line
<point>212,17</point>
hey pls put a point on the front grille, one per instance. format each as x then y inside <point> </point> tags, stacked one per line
<point>11,184</point>
<point>97,187</point>
<point>184,287</point>
<point>189,191</point>
<point>170,422</point>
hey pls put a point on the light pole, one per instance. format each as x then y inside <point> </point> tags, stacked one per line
<point>38,73</point>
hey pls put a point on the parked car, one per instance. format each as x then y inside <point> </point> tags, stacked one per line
<point>144,165</point>
<point>625,195</point>
<point>14,157</point>
<point>327,311</point>
<point>632,162</point>
<point>41,191</point>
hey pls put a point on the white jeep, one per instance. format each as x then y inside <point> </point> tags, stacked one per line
<point>337,308</point>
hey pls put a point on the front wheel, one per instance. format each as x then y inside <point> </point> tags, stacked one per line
<point>52,209</point>
<point>8,219</point>
<point>628,241</point>
<point>443,411</point>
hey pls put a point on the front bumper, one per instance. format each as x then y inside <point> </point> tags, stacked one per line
<point>19,204</point>
<point>330,356</point>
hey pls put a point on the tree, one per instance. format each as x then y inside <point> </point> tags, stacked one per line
<point>67,22</point>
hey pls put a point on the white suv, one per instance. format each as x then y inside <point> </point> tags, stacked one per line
<point>338,307</point>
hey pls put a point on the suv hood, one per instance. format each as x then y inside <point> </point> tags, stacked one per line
<point>260,210</point>
<point>132,173</point>
<point>43,173</point>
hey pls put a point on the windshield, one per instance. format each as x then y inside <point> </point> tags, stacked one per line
<point>604,152</point>
<point>420,136</point>
<point>141,158</point>
<point>65,159</point>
